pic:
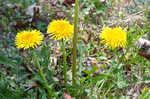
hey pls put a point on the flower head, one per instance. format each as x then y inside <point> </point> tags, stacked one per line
<point>60,29</point>
<point>114,37</point>
<point>26,39</point>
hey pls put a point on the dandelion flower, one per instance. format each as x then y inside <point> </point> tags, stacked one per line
<point>114,37</point>
<point>60,29</point>
<point>30,38</point>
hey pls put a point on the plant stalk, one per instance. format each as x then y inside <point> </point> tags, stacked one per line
<point>64,62</point>
<point>75,42</point>
<point>45,83</point>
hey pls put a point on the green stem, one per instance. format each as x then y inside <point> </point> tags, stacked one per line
<point>45,83</point>
<point>64,62</point>
<point>75,42</point>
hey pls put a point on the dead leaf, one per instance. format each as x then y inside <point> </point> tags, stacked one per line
<point>68,3</point>
<point>85,38</point>
<point>30,9</point>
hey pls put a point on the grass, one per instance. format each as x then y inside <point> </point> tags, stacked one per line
<point>99,72</point>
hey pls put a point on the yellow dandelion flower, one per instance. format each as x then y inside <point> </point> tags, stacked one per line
<point>114,37</point>
<point>30,38</point>
<point>60,29</point>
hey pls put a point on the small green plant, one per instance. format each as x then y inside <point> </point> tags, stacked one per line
<point>145,94</point>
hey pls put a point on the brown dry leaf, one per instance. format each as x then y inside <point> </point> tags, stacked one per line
<point>144,46</point>
<point>30,9</point>
<point>124,3</point>
<point>85,38</point>
<point>32,85</point>
<point>127,1</point>
<point>57,52</point>
<point>68,3</point>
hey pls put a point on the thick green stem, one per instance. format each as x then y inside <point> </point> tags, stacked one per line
<point>64,62</point>
<point>75,42</point>
<point>45,83</point>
